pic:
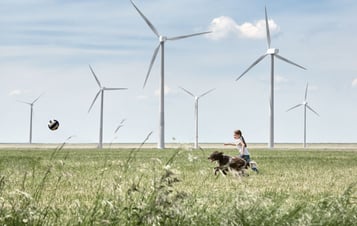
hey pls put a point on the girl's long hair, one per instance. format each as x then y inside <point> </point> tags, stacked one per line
<point>245,144</point>
<point>238,132</point>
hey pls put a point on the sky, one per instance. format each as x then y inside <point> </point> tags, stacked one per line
<point>46,47</point>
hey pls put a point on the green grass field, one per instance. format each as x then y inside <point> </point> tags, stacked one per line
<point>175,187</point>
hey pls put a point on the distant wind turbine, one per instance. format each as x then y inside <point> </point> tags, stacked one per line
<point>273,53</point>
<point>101,92</point>
<point>306,106</point>
<point>196,111</point>
<point>31,114</point>
<point>162,40</point>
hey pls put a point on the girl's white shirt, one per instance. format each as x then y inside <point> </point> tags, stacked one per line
<point>239,143</point>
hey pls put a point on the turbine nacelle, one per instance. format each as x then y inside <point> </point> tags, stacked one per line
<point>272,51</point>
<point>162,38</point>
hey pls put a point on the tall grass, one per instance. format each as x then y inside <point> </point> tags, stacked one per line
<point>175,187</point>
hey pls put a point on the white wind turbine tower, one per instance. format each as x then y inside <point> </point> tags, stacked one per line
<point>101,92</point>
<point>162,40</point>
<point>306,106</point>
<point>196,111</point>
<point>273,53</point>
<point>31,114</point>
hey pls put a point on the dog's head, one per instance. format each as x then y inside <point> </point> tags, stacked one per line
<point>216,156</point>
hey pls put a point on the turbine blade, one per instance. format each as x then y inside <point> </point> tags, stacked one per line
<point>298,105</point>
<point>151,64</point>
<point>95,98</point>
<point>188,92</point>
<point>307,85</point>
<point>204,94</point>
<point>115,88</point>
<point>146,20</point>
<point>96,78</point>
<point>312,110</point>
<point>187,36</point>
<point>122,121</point>
<point>288,61</point>
<point>24,102</point>
<point>37,98</point>
<point>267,28</point>
<point>250,67</point>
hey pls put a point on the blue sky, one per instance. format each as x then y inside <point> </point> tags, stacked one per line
<point>46,47</point>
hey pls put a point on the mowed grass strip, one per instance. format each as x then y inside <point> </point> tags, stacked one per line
<point>175,187</point>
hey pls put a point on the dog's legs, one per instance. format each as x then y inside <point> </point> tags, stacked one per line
<point>219,169</point>
<point>224,171</point>
<point>216,170</point>
<point>243,173</point>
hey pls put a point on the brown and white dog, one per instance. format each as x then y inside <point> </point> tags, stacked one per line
<point>227,163</point>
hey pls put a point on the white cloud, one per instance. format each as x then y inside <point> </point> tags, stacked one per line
<point>354,82</point>
<point>15,92</point>
<point>167,90</point>
<point>142,97</point>
<point>223,27</point>
<point>280,79</point>
<point>258,30</point>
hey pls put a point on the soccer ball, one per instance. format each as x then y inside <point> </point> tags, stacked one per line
<point>53,124</point>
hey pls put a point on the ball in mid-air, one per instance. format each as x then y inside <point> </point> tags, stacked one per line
<point>53,124</point>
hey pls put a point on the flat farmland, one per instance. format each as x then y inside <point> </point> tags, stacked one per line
<point>76,185</point>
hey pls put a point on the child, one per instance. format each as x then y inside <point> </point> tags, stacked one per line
<point>242,147</point>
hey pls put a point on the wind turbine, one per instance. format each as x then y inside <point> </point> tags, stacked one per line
<point>162,40</point>
<point>273,53</point>
<point>196,111</point>
<point>306,106</point>
<point>31,114</point>
<point>101,92</point>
